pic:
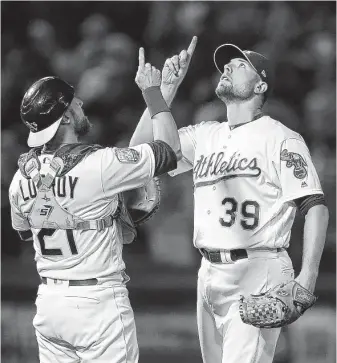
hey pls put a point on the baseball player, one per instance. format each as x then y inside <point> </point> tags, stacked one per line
<point>250,175</point>
<point>67,198</point>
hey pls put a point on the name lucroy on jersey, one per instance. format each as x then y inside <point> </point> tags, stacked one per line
<point>62,187</point>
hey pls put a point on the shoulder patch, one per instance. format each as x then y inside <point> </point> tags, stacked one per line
<point>127,155</point>
<point>297,161</point>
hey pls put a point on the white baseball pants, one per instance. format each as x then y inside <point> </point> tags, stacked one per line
<point>224,338</point>
<point>85,324</point>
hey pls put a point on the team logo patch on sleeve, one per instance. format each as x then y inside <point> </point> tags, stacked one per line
<point>297,161</point>
<point>127,155</point>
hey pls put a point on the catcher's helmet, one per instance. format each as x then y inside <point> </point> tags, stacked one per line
<point>43,107</point>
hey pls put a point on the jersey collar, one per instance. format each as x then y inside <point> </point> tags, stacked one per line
<point>259,115</point>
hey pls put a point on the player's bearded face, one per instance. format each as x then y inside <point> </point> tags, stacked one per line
<point>236,85</point>
<point>82,125</point>
<point>235,89</point>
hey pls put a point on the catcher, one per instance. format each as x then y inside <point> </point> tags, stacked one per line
<point>68,198</point>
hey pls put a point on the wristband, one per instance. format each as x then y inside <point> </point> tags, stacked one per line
<point>154,100</point>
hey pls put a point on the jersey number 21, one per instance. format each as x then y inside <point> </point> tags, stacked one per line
<point>48,232</point>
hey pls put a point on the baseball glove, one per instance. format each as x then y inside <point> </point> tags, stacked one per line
<point>142,203</point>
<point>277,307</point>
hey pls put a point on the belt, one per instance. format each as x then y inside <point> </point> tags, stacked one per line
<point>88,282</point>
<point>227,256</point>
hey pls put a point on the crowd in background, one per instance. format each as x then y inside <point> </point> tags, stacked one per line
<point>94,46</point>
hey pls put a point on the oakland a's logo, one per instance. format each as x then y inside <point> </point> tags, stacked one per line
<point>297,161</point>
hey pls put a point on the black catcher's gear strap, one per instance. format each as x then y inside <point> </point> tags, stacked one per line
<point>25,235</point>
<point>71,155</point>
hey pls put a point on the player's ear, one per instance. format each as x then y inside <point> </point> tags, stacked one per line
<point>69,114</point>
<point>66,118</point>
<point>261,87</point>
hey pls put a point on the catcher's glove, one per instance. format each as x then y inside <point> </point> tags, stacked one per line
<point>277,307</point>
<point>142,203</point>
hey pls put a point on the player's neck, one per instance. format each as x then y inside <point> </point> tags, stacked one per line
<point>241,113</point>
<point>56,142</point>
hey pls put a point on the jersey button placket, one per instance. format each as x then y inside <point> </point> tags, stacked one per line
<point>228,137</point>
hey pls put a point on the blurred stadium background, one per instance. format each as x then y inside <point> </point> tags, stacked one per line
<point>94,45</point>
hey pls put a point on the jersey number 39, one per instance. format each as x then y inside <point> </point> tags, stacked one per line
<point>249,213</point>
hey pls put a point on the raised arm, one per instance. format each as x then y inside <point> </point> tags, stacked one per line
<point>148,79</point>
<point>174,71</point>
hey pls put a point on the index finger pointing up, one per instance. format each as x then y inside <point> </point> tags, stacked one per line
<point>141,57</point>
<point>191,47</point>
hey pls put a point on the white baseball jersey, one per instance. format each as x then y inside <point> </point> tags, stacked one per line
<point>89,191</point>
<point>245,181</point>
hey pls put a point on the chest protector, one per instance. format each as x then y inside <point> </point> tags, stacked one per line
<point>46,212</point>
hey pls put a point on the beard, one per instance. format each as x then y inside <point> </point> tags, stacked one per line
<point>224,90</point>
<point>229,93</point>
<point>82,125</point>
